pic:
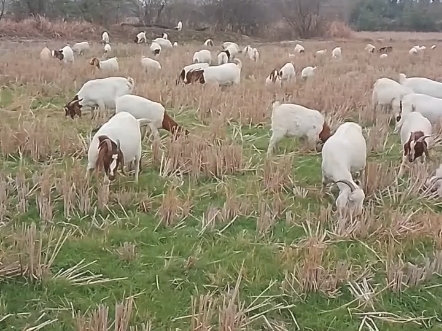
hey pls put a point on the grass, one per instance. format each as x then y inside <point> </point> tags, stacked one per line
<point>214,235</point>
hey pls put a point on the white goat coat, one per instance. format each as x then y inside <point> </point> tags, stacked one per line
<point>148,63</point>
<point>430,107</point>
<point>107,48</point>
<point>369,48</point>
<point>288,72</point>
<point>105,37</point>
<point>102,92</point>
<point>422,85</point>
<point>141,108</point>
<point>208,42</point>
<point>122,127</point>
<point>202,56</point>
<point>321,52</point>
<point>45,54</point>
<point>229,43</point>
<point>79,48</point>
<point>388,93</point>
<point>109,65</point>
<point>251,52</point>
<point>192,66</point>
<point>155,46</point>
<point>224,74</point>
<point>299,48</point>
<point>344,154</point>
<point>164,43</point>
<point>179,26</point>
<point>308,72</point>
<point>68,54</point>
<point>233,50</point>
<point>295,120</point>
<point>337,53</point>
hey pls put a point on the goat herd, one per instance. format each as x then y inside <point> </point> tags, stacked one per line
<point>416,102</point>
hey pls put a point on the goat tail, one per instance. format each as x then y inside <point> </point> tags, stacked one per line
<point>238,63</point>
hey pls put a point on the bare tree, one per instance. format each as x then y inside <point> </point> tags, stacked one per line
<point>2,8</point>
<point>303,16</point>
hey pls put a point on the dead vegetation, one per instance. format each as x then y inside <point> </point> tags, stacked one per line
<point>212,197</point>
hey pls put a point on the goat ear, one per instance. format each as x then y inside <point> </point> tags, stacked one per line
<point>121,159</point>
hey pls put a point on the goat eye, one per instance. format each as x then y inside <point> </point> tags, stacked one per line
<point>398,118</point>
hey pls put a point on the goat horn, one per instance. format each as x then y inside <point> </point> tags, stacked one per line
<point>348,183</point>
<point>421,139</point>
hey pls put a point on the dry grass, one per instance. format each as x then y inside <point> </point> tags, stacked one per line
<point>216,235</point>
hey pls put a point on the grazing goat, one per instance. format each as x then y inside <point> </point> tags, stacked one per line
<point>155,48</point>
<point>422,85</point>
<point>285,74</point>
<point>148,63</point>
<point>414,129</point>
<point>297,121</point>
<point>100,92</point>
<point>115,144</point>
<point>164,43</point>
<point>202,56</point>
<point>66,54</point>
<point>343,155</point>
<point>140,38</point>
<point>153,113</point>
<point>430,107</point>
<point>107,65</point>
<point>370,48</point>
<point>225,74</point>
<point>179,26</point>
<point>387,93</point>
<point>208,42</point>
<point>337,53</point>
<point>80,48</point>
<point>105,37</point>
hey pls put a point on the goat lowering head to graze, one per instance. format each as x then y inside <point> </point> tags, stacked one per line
<point>109,157</point>
<point>350,202</point>
<point>73,107</point>
<point>272,77</point>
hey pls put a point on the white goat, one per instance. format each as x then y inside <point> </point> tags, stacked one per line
<point>99,92</point>
<point>297,121</point>
<point>225,74</point>
<point>140,37</point>
<point>175,44</point>
<point>80,48</point>
<point>165,35</point>
<point>45,54</point>
<point>433,47</point>
<point>285,74</point>
<point>386,92</point>
<point>321,52</point>
<point>413,51</point>
<point>116,143</point>
<point>344,154</point>
<point>251,52</point>
<point>422,85</point>
<point>308,72</point>
<point>229,43</point>
<point>179,26</point>
<point>148,63</point>
<point>105,37</point>
<point>164,43</point>
<point>155,48</point>
<point>383,56</point>
<point>430,107</point>
<point>299,49</point>
<point>370,48</point>
<point>202,56</point>
<point>208,42</point>
<point>153,112</point>
<point>337,53</point>
<point>66,54</point>
<point>414,129</point>
<point>106,65</point>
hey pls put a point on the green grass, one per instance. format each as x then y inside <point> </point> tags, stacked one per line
<point>161,275</point>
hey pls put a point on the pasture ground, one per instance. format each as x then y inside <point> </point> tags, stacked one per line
<point>214,233</point>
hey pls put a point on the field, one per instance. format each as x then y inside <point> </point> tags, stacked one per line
<point>215,235</point>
